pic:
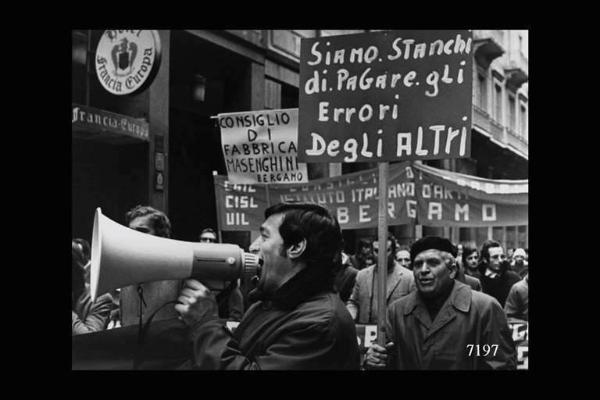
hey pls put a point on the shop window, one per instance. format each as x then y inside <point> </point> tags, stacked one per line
<point>498,103</point>
<point>512,113</point>
<point>498,234</point>
<point>272,95</point>
<point>289,96</point>
<point>79,66</point>
<point>481,235</point>
<point>511,237</point>
<point>522,236</point>
<point>481,91</point>
<point>523,117</point>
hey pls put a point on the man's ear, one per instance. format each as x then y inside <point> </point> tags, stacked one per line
<point>296,250</point>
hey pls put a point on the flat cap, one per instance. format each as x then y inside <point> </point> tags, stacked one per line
<point>432,242</point>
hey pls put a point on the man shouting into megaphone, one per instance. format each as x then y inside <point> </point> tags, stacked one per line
<point>297,321</point>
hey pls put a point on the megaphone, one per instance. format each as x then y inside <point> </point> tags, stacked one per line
<point>122,256</point>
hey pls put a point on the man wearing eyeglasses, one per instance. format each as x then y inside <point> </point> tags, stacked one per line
<point>496,277</point>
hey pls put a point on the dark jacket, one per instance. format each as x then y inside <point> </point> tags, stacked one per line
<point>231,303</point>
<point>500,286</point>
<point>517,302</point>
<point>475,283</point>
<point>344,281</point>
<point>303,326</point>
<point>467,318</point>
<point>88,316</point>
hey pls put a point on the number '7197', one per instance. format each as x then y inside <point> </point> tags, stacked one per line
<point>482,350</point>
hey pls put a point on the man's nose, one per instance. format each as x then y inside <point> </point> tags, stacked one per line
<point>255,246</point>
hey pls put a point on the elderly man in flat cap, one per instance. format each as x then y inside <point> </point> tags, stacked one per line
<point>444,325</point>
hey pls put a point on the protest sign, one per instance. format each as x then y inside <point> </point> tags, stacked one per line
<point>520,335</point>
<point>239,207</point>
<point>426,196</point>
<point>262,146</point>
<point>385,96</point>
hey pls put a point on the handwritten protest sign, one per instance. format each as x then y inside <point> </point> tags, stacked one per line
<point>262,146</point>
<point>520,336</point>
<point>385,96</point>
<point>416,194</point>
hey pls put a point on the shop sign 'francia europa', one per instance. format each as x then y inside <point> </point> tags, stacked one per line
<point>127,60</point>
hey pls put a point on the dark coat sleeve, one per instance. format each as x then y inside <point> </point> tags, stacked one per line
<point>301,347</point>
<point>96,319</point>
<point>236,305</point>
<point>497,332</point>
<point>513,305</point>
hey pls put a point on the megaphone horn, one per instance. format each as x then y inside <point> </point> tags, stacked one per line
<point>122,256</point>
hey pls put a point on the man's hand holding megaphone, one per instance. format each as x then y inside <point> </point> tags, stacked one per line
<point>196,303</point>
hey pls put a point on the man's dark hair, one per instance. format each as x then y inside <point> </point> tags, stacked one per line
<point>403,247</point>
<point>208,230</point>
<point>467,251</point>
<point>392,238</point>
<point>364,242</point>
<point>313,222</point>
<point>160,222</point>
<point>484,254</point>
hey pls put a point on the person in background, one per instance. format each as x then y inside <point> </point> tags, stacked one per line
<point>345,278</point>
<point>364,249</point>
<point>459,261</point>
<point>230,300</point>
<point>470,258</point>
<point>496,276</point>
<point>403,257</point>
<point>362,303</point>
<point>520,264</point>
<point>153,222</point>
<point>509,254</point>
<point>438,326</point>
<point>208,235</point>
<point>297,321</point>
<point>473,282</point>
<point>517,302</point>
<point>85,260</point>
<point>86,316</point>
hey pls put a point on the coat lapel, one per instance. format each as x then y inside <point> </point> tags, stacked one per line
<point>459,299</point>
<point>446,314</point>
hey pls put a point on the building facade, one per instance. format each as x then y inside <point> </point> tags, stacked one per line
<point>160,146</point>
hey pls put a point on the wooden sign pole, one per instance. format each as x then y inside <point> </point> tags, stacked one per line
<point>220,237</point>
<point>382,256</point>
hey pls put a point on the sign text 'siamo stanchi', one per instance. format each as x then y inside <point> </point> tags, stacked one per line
<point>127,60</point>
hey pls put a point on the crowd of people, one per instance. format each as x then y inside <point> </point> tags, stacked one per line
<point>300,313</point>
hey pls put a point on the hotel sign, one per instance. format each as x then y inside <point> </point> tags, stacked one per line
<point>94,120</point>
<point>127,60</point>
